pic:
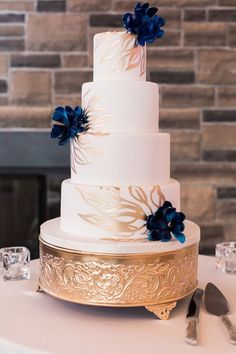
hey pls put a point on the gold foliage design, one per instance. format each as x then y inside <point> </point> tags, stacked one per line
<point>162,310</point>
<point>134,280</point>
<point>122,51</point>
<point>81,147</point>
<point>81,151</point>
<point>98,117</point>
<point>119,215</point>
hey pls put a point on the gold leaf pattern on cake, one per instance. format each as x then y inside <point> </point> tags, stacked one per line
<point>157,190</point>
<point>81,150</point>
<point>121,216</point>
<point>81,147</point>
<point>98,117</point>
<point>121,49</point>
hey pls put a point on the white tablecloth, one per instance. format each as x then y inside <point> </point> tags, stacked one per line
<point>33,323</point>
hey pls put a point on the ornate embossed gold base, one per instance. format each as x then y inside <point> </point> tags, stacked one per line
<point>153,280</point>
<point>162,311</point>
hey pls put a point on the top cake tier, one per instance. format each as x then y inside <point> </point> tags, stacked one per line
<point>117,58</point>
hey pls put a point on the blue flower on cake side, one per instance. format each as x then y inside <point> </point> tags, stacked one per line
<point>68,123</point>
<point>164,223</point>
<point>144,23</point>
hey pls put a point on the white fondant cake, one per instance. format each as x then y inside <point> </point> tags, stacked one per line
<point>52,234</point>
<point>121,159</point>
<point>120,166</point>
<point>84,208</point>
<point>133,106</point>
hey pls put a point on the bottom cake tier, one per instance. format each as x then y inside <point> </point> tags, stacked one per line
<point>154,275</point>
<point>108,212</point>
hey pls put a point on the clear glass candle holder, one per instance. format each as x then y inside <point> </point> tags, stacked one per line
<point>15,263</point>
<point>226,257</point>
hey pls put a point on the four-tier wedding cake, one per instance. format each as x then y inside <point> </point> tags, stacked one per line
<point>120,198</point>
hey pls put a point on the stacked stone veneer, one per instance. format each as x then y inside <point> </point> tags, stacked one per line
<point>46,54</point>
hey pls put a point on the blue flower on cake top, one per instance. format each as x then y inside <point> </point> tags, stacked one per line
<point>68,123</point>
<point>144,23</point>
<point>164,223</point>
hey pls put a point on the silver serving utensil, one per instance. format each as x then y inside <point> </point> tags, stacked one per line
<point>216,304</point>
<point>192,317</point>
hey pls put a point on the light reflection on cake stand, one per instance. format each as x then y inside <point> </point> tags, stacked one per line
<point>155,280</point>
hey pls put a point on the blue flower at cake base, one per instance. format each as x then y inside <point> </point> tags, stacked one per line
<point>164,223</point>
<point>68,123</point>
<point>144,23</point>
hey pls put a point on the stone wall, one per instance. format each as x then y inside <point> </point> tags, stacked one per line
<point>46,54</point>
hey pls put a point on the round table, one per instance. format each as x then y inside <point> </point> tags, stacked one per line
<point>34,323</point>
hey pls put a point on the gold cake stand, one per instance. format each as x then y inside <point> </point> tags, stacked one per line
<point>153,280</point>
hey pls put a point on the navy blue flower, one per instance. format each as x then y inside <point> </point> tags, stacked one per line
<point>164,223</point>
<point>144,23</point>
<point>68,123</point>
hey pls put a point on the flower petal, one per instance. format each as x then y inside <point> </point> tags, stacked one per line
<point>126,16</point>
<point>141,41</point>
<point>162,21</point>
<point>167,204</point>
<point>145,6</point>
<point>177,227</point>
<point>154,236</point>
<point>151,11</point>
<point>179,217</point>
<point>169,214</point>
<point>65,137</point>
<point>78,111</point>
<point>165,236</point>
<point>154,222</point>
<point>180,237</point>
<point>59,115</point>
<point>148,224</point>
<point>56,131</point>
<point>137,6</point>
<point>160,33</point>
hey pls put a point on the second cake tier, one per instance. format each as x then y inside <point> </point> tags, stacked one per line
<point>119,213</point>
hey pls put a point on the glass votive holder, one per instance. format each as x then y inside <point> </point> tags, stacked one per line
<point>15,263</point>
<point>226,256</point>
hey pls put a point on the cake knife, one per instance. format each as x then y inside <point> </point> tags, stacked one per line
<point>192,317</point>
<point>216,304</point>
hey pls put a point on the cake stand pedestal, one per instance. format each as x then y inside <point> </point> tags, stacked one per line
<point>155,280</point>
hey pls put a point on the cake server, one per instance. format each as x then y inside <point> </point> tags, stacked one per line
<point>192,317</point>
<point>216,304</point>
